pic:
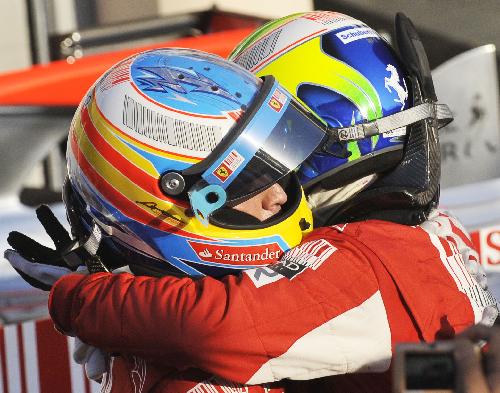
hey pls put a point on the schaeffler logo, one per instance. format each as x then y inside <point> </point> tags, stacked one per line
<point>262,254</point>
<point>355,34</point>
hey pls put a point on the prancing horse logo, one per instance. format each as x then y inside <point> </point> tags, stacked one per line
<point>393,82</point>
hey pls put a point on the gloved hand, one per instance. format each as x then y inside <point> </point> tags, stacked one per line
<point>42,266</point>
<point>39,265</point>
<point>474,267</point>
<point>39,275</point>
<point>93,359</point>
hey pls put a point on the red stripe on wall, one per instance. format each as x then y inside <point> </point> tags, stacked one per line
<point>86,382</point>
<point>3,360</point>
<point>20,348</point>
<point>476,241</point>
<point>53,359</point>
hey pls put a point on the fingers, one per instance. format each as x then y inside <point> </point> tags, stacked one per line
<point>491,358</point>
<point>490,314</point>
<point>94,360</point>
<point>44,274</point>
<point>478,333</point>
<point>53,227</point>
<point>97,365</point>
<point>81,351</point>
<point>29,248</point>
<point>469,374</point>
<point>473,374</point>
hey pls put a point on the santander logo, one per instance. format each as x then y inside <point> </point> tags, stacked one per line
<point>262,254</point>
<point>205,253</point>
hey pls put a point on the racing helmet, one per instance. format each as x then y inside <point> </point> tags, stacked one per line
<point>165,143</point>
<point>381,108</point>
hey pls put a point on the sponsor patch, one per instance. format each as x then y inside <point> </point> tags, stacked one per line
<point>262,254</point>
<point>261,276</point>
<point>355,34</point>
<point>278,100</point>
<point>228,165</point>
<point>308,255</point>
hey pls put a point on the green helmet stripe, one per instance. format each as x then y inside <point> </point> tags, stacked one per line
<point>354,149</point>
<point>324,71</point>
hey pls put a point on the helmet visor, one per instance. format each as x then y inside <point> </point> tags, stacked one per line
<point>274,138</point>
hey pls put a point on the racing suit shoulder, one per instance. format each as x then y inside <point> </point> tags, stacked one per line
<point>429,266</point>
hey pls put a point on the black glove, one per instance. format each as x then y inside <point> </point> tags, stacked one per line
<point>41,266</point>
<point>37,253</point>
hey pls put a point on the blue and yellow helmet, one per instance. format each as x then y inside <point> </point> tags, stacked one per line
<point>342,70</point>
<point>165,143</point>
<point>372,103</point>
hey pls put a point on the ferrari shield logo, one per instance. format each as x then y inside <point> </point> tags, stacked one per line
<point>232,161</point>
<point>277,100</point>
<point>222,172</point>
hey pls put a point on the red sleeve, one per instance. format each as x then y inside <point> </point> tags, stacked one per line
<point>161,319</point>
<point>228,327</point>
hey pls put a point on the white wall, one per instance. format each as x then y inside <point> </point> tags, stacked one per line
<point>14,35</point>
<point>114,11</point>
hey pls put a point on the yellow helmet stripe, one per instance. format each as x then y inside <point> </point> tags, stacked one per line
<point>346,79</point>
<point>110,132</point>
<point>116,179</point>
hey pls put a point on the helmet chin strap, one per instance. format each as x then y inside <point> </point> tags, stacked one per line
<point>407,193</point>
<point>323,202</point>
<point>83,251</point>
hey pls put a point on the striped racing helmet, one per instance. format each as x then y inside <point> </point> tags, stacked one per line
<point>165,144</point>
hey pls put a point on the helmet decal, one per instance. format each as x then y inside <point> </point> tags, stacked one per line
<point>353,85</point>
<point>189,87</point>
<point>393,83</point>
<point>180,80</point>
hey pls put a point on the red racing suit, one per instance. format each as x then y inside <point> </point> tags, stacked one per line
<point>337,304</point>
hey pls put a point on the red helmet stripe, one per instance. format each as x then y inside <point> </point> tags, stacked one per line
<point>141,178</point>
<point>120,201</point>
